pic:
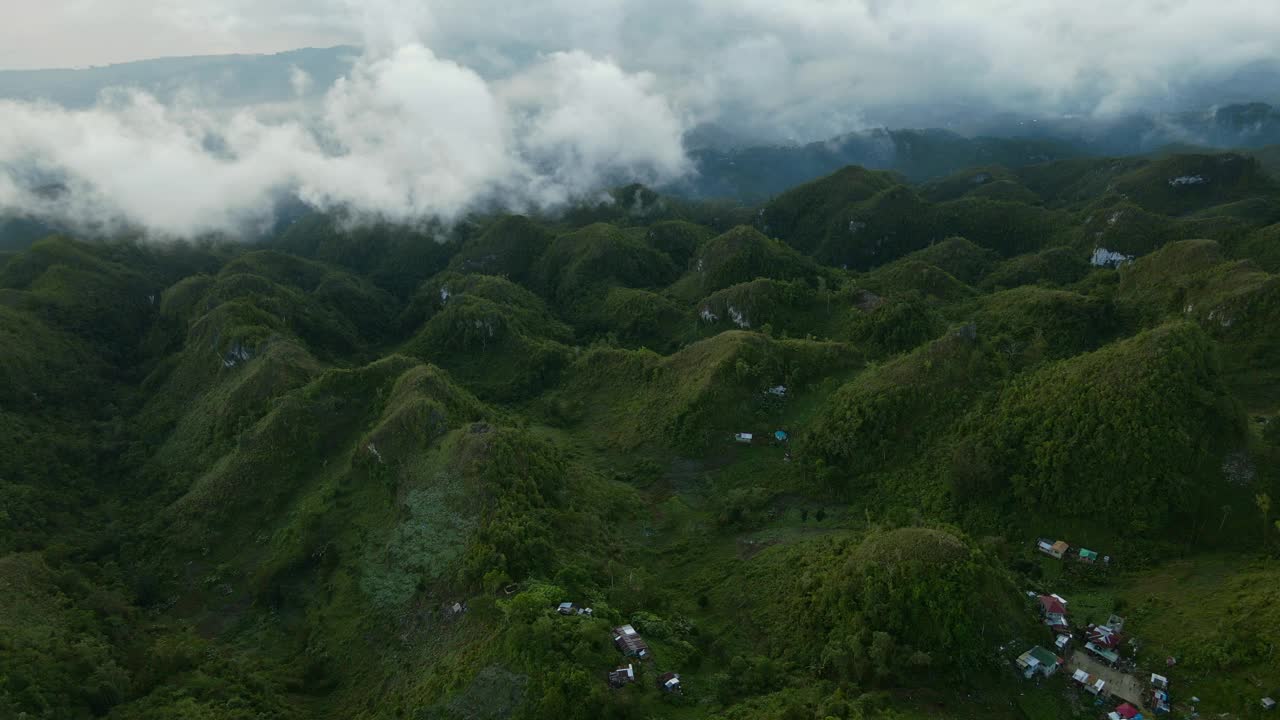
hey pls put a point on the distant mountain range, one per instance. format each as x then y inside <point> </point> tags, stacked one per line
<point>752,173</point>
<point>214,79</point>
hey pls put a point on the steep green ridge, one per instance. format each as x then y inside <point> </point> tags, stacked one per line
<point>351,472</point>
<point>1052,433</point>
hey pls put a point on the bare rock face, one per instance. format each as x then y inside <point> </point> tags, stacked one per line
<point>1103,257</point>
<point>235,355</point>
<point>866,301</point>
<point>1238,468</point>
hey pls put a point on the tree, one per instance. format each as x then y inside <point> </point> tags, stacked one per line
<point>1226,510</point>
<point>883,650</point>
<point>1263,501</point>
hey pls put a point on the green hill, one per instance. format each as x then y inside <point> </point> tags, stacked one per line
<point>855,218</point>
<point>497,336</point>
<point>1143,424</point>
<point>743,254</point>
<point>510,247</point>
<point>805,450</point>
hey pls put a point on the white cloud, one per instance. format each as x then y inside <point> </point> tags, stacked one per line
<point>403,137</point>
<point>300,80</point>
<point>582,118</point>
<point>415,135</point>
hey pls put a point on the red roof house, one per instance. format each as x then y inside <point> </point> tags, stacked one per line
<point>1104,636</point>
<point>1127,711</point>
<point>1052,605</point>
<point>1055,613</point>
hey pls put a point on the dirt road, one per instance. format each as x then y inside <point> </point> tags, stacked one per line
<point>1125,687</point>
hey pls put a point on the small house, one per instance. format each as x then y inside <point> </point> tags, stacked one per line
<point>1116,623</point>
<point>777,391</point>
<point>1160,701</point>
<point>1127,711</point>
<point>1038,661</point>
<point>626,639</point>
<point>744,438</point>
<point>1159,681</point>
<point>1088,556</point>
<point>1110,657</point>
<point>1054,609</point>
<point>1053,549</point>
<point>1062,642</point>
<point>565,608</point>
<point>585,611</point>
<point>622,676</point>
<point>1092,684</point>
<point>780,436</point>
<point>1268,704</point>
<point>669,682</point>
<point>1103,636</point>
<point>1052,605</point>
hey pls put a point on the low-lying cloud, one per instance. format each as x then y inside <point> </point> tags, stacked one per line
<point>404,137</point>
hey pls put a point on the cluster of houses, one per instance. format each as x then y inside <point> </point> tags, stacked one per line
<point>1103,642</point>
<point>1059,549</point>
<point>631,645</point>
<point>780,437</point>
<point>629,642</point>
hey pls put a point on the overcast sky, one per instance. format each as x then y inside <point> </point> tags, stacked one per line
<point>808,64</point>
<point>79,33</point>
<point>541,99</point>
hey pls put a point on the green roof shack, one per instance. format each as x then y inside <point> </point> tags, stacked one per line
<point>1037,661</point>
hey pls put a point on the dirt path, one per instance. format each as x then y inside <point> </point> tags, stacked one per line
<point>1125,687</point>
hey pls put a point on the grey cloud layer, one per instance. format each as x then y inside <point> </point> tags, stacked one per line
<point>459,101</point>
<point>799,63</point>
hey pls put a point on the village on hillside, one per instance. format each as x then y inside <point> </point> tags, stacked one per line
<point>631,645</point>
<point>1100,657</point>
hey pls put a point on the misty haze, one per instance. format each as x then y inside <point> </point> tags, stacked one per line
<point>808,360</point>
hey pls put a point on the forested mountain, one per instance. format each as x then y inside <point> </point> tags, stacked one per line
<point>228,80</point>
<point>352,473</point>
<point>754,173</point>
